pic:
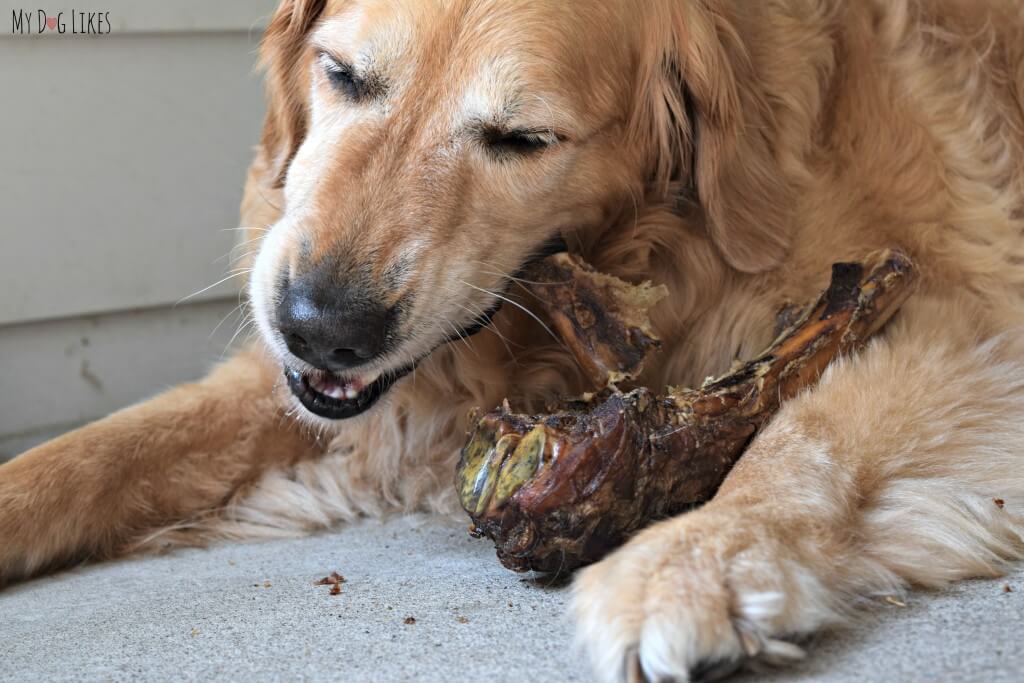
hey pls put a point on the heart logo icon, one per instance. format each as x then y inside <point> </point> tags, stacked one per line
<point>51,23</point>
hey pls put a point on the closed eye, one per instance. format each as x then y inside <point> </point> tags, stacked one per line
<point>342,77</point>
<point>518,142</point>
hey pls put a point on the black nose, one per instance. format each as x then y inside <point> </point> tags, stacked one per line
<point>329,325</point>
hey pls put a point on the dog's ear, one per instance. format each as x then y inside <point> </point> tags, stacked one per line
<point>709,126</point>
<point>282,55</point>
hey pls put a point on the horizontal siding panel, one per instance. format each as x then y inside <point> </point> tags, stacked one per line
<point>122,169</point>
<point>64,372</point>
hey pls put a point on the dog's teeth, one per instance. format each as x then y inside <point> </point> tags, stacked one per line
<point>337,388</point>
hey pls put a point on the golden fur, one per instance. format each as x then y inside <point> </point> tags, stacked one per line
<point>729,149</point>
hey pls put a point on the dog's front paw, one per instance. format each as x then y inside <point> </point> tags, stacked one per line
<point>693,598</point>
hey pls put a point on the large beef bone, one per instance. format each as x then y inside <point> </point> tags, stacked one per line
<point>561,490</point>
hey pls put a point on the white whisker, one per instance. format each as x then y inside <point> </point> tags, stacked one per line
<point>249,323</point>
<point>224,319</point>
<point>517,305</point>
<point>246,271</point>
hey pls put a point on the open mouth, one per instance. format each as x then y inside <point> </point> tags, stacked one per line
<point>335,398</point>
<point>331,396</point>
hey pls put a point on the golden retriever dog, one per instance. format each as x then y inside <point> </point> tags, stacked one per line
<point>417,153</point>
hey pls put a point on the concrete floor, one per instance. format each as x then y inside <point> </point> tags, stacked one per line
<point>251,612</point>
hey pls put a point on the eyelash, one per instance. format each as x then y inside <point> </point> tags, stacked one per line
<point>341,77</point>
<point>517,143</point>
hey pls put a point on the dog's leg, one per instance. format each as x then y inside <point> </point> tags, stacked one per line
<point>905,465</point>
<point>95,490</point>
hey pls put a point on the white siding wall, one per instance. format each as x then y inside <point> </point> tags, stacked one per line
<point>121,170</point>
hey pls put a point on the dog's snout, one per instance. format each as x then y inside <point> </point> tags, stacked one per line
<point>331,326</point>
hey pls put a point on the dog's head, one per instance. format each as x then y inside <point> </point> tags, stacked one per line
<point>428,149</point>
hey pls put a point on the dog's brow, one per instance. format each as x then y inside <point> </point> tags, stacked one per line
<point>499,117</point>
<point>335,38</point>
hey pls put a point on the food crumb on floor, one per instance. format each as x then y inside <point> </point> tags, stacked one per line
<point>1000,503</point>
<point>334,578</point>
<point>409,621</point>
<point>895,601</point>
<point>334,581</point>
<point>463,620</point>
<point>1007,588</point>
<point>266,584</point>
